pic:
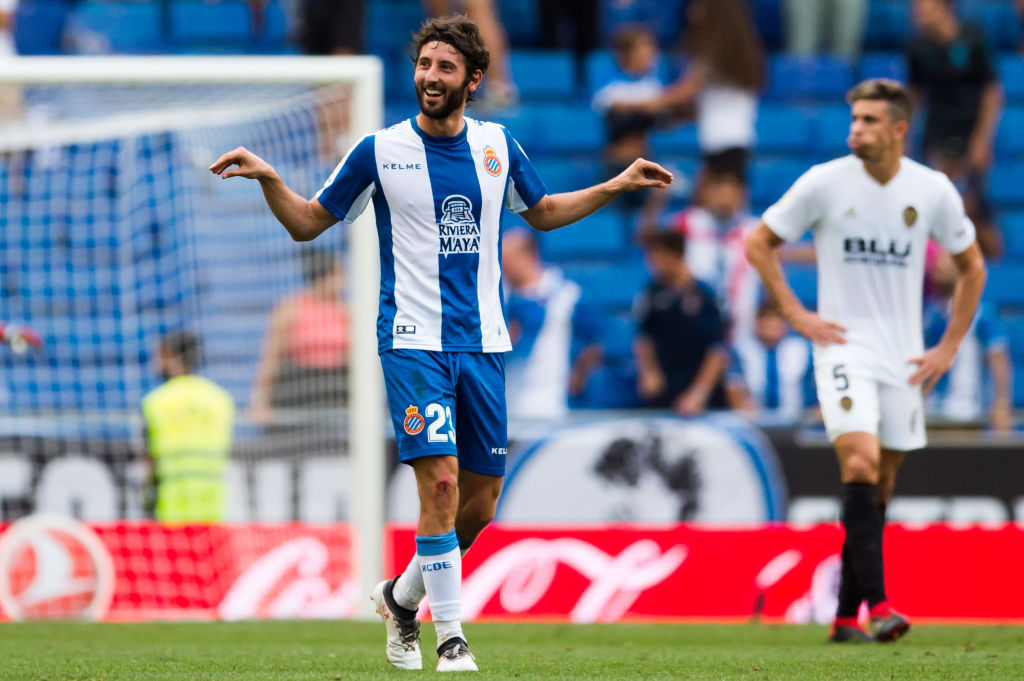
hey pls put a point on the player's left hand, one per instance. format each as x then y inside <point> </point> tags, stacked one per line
<point>643,173</point>
<point>931,366</point>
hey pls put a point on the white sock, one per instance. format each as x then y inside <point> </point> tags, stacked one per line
<point>409,589</point>
<point>447,630</point>
<point>441,567</point>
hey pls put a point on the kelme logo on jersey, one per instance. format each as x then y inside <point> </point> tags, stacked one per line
<point>458,230</point>
<point>491,162</point>
<point>876,251</point>
<point>413,420</point>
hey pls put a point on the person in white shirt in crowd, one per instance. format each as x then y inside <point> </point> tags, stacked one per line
<point>721,86</point>
<point>555,335</point>
<point>716,227</point>
<point>770,376</point>
<point>979,385</point>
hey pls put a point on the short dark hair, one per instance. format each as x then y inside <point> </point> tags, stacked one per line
<point>769,307</point>
<point>628,36</point>
<point>886,90</point>
<point>317,263</point>
<point>461,33</point>
<point>667,240</point>
<point>184,346</point>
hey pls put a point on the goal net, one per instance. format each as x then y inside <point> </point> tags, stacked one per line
<point>114,235</point>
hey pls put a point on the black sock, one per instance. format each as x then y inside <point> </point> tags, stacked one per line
<point>849,593</point>
<point>862,549</point>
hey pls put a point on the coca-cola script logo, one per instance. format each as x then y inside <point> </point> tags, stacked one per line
<point>53,567</point>
<point>288,581</point>
<point>522,573</point>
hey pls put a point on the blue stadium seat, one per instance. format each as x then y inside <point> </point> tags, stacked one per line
<point>1006,185</point>
<point>617,339</point>
<point>38,26</point>
<point>523,128</point>
<point>564,175</point>
<point>1012,227</point>
<point>276,31</point>
<point>998,21</point>
<point>543,74</point>
<point>782,129</point>
<point>612,286</point>
<point>768,19</point>
<point>883,65</point>
<point>568,130</point>
<point>1015,331</point>
<point>681,139</point>
<point>1003,287</point>
<point>389,24</point>
<point>1010,139</point>
<point>821,77</point>
<point>770,179</point>
<point>600,236</point>
<point>520,20</point>
<point>133,27</point>
<point>832,129</point>
<point>220,26</point>
<point>803,279</point>
<point>1011,74</point>
<point>663,17</point>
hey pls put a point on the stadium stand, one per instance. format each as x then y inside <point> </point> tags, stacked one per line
<point>802,121</point>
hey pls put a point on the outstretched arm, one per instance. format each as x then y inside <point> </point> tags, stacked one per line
<point>304,220</point>
<point>970,281</point>
<point>762,252</point>
<point>558,210</point>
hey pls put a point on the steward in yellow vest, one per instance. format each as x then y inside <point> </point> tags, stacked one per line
<point>189,427</point>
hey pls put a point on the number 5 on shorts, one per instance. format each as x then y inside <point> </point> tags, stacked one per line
<point>842,382</point>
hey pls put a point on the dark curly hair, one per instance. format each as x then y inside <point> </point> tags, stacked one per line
<point>459,32</point>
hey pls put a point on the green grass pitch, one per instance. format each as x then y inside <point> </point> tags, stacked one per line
<point>339,651</point>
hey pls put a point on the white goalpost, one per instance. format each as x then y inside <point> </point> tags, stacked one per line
<point>115,232</point>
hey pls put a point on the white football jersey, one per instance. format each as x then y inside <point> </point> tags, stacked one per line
<point>870,244</point>
<point>438,203</point>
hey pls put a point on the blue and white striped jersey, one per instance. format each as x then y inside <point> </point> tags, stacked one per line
<point>438,204</point>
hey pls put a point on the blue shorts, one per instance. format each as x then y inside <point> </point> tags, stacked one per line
<point>449,403</point>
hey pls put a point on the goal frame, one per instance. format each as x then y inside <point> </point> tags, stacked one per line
<point>365,74</point>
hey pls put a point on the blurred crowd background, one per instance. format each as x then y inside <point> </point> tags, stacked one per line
<point>650,303</point>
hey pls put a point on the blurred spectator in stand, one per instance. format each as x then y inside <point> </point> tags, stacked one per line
<point>771,373</point>
<point>569,24</point>
<point>329,27</point>
<point>714,229</point>
<point>627,127</point>
<point>7,8</point>
<point>555,337</point>
<point>680,347</point>
<point>499,91</point>
<point>951,72</point>
<point>303,364</point>
<point>968,391</point>
<point>807,33</point>
<point>190,424</point>
<point>722,82</point>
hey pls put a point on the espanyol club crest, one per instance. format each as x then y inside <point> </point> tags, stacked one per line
<point>491,162</point>
<point>413,420</point>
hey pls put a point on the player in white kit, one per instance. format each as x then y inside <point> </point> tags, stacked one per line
<point>871,215</point>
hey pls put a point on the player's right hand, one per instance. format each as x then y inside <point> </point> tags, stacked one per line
<point>249,165</point>
<point>817,330</point>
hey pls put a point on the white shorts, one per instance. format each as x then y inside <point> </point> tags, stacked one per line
<point>852,400</point>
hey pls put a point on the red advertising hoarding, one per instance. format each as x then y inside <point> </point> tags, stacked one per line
<point>51,567</point>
